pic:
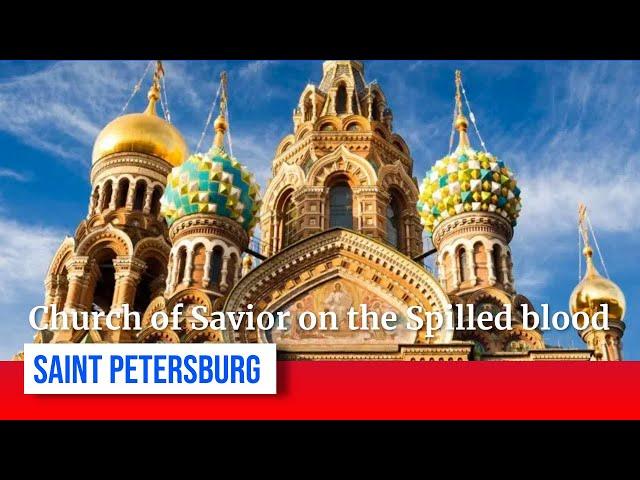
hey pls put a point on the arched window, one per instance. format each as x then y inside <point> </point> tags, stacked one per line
<point>149,287</point>
<point>480,261</point>
<point>340,206</point>
<point>106,283</point>
<point>215,267</point>
<point>286,219</point>
<point>463,265</point>
<point>375,108</point>
<point>496,259</point>
<point>394,223</point>
<point>123,191</point>
<point>232,268</point>
<point>106,196</point>
<point>341,99</point>
<point>199,259</point>
<point>94,199</point>
<point>155,200</point>
<point>448,267</point>
<point>327,127</point>
<point>181,264</point>
<point>354,104</point>
<point>308,108</point>
<point>141,190</point>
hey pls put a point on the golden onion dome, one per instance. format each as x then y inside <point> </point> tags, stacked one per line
<point>142,133</point>
<point>594,290</point>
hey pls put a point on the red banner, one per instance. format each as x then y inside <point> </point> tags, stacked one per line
<point>370,390</point>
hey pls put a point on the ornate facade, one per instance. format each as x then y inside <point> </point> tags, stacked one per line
<point>341,225</point>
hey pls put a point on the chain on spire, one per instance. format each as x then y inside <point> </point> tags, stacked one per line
<point>136,87</point>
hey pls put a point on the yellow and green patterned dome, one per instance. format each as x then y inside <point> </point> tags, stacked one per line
<point>212,182</point>
<point>467,181</point>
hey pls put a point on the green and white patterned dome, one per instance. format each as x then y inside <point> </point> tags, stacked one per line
<point>467,181</point>
<point>212,182</point>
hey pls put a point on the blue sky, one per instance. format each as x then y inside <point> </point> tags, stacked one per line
<point>568,129</point>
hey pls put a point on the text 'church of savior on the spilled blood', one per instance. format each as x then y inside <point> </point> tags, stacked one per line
<point>341,224</point>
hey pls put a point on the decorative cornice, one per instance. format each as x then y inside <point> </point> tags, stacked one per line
<point>209,225</point>
<point>471,223</point>
<point>136,160</point>
<point>317,139</point>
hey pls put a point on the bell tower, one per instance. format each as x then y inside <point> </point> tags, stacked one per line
<point>119,253</point>
<point>590,296</point>
<point>211,205</point>
<point>469,203</point>
<point>343,166</point>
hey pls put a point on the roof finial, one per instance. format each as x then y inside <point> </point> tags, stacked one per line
<point>461,122</point>
<point>220,125</point>
<point>584,230</point>
<point>154,91</point>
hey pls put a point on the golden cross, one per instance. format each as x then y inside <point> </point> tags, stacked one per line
<point>223,93</point>
<point>458,95</point>
<point>159,70</point>
<point>582,223</point>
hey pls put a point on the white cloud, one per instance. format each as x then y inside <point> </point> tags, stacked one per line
<point>255,68</point>
<point>61,108</point>
<point>25,253</point>
<point>12,174</point>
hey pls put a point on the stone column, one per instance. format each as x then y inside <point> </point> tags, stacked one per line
<point>224,284</point>
<point>147,200</point>
<point>114,195</point>
<point>506,278</point>
<point>490,266</point>
<point>78,269</point>
<point>350,101</point>
<point>188,267</point>
<point>77,280</point>
<point>131,193</point>
<point>128,271</point>
<point>100,199</point>
<point>50,289</point>
<point>207,268</point>
<point>471,261</point>
<point>332,101</point>
<point>454,271</point>
<point>442,274</point>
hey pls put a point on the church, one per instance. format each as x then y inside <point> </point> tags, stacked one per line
<point>341,224</point>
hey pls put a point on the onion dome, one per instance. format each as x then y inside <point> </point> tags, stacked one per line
<point>143,132</point>
<point>594,290</point>
<point>213,182</point>
<point>467,181</point>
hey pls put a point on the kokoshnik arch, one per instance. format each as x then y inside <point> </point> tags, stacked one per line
<point>341,221</point>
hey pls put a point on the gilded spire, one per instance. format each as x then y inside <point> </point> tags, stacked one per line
<point>154,91</point>
<point>584,230</point>
<point>220,125</point>
<point>461,122</point>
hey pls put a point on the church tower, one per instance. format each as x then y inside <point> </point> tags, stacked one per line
<point>343,166</point>
<point>469,203</point>
<point>211,205</point>
<point>119,253</point>
<point>591,294</point>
